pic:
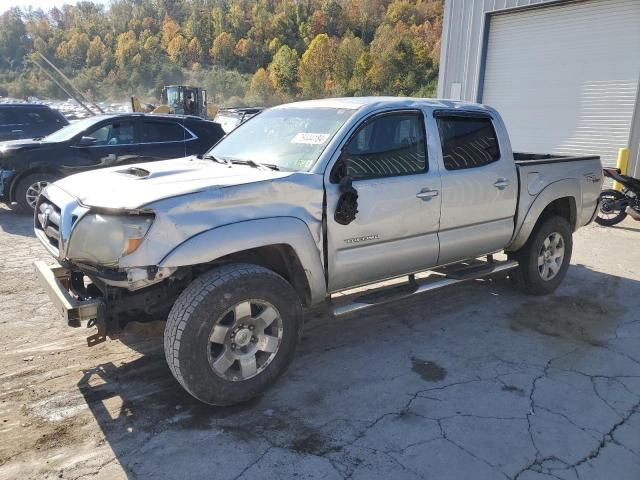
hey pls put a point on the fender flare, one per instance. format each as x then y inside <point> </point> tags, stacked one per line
<point>569,187</point>
<point>223,240</point>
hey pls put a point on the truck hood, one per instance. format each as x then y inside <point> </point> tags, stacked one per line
<point>134,186</point>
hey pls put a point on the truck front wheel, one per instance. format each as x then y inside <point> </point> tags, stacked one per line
<point>232,333</point>
<point>545,258</point>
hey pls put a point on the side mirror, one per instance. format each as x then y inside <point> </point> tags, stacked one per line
<point>347,207</point>
<point>87,141</point>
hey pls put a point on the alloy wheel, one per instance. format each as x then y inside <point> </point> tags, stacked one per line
<point>551,256</point>
<point>244,340</point>
<point>33,191</point>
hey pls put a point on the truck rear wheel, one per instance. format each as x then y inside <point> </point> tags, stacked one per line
<point>545,258</point>
<point>232,333</point>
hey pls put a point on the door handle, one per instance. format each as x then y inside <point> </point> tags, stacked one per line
<point>427,194</point>
<point>502,183</point>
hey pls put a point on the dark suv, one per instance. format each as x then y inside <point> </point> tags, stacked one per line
<point>27,166</point>
<point>28,120</point>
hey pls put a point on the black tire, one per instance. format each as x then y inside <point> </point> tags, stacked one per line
<point>199,310</point>
<point>528,277</point>
<point>610,195</point>
<point>23,186</point>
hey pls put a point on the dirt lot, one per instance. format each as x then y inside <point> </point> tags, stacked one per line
<point>478,382</point>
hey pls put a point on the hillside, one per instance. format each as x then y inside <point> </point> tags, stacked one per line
<point>258,52</point>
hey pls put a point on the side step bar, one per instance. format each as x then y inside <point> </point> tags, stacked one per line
<point>439,278</point>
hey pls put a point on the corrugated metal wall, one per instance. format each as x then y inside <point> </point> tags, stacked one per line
<point>461,67</point>
<point>462,42</point>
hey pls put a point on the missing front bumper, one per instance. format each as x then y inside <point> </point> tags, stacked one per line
<point>55,280</point>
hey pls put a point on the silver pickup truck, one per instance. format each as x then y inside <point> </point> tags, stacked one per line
<point>318,202</point>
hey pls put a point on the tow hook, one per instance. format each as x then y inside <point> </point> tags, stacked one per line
<point>152,270</point>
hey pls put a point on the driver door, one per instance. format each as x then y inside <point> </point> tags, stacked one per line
<point>395,229</point>
<point>113,144</point>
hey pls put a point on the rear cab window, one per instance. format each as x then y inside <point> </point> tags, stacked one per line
<point>467,141</point>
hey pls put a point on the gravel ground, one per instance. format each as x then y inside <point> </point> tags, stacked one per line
<point>475,382</point>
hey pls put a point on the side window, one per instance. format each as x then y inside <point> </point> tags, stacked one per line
<point>153,132</point>
<point>387,146</point>
<point>467,142</point>
<point>33,117</point>
<point>116,133</point>
<point>7,117</point>
<point>44,115</point>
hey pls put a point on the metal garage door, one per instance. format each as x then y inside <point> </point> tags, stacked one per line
<point>565,78</point>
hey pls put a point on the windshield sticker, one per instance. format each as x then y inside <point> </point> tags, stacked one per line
<point>310,138</point>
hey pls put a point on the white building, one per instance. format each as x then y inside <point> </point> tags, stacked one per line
<point>564,74</point>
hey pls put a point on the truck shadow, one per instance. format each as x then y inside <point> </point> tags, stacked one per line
<point>142,411</point>
<point>15,223</point>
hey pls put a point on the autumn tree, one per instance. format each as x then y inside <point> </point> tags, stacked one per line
<point>96,52</point>
<point>222,49</point>
<point>251,50</point>
<point>316,66</point>
<point>261,91</point>
<point>178,50</point>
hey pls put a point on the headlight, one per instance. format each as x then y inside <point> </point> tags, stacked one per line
<point>103,239</point>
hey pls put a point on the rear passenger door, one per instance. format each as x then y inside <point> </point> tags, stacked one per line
<point>162,139</point>
<point>479,187</point>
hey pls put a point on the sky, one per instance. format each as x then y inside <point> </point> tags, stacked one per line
<point>44,4</point>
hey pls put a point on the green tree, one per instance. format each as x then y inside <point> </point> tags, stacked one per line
<point>284,70</point>
<point>349,51</point>
<point>14,42</point>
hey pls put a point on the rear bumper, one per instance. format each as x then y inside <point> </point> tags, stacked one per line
<point>56,280</point>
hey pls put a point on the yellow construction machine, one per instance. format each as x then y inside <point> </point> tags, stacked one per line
<point>179,100</point>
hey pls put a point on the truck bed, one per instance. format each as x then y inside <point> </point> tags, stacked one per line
<point>522,158</point>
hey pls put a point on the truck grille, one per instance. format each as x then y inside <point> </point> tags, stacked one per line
<point>48,220</point>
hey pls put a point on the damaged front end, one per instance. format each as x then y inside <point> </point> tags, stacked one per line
<point>87,298</point>
<point>86,293</point>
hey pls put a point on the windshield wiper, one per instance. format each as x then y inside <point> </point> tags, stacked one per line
<point>208,156</point>
<point>254,164</point>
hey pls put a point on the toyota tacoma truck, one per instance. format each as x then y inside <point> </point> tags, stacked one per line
<point>330,202</point>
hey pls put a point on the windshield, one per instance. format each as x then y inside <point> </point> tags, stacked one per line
<point>70,131</point>
<point>228,121</point>
<point>290,138</point>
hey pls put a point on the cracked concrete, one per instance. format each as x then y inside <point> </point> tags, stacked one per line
<point>474,382</point>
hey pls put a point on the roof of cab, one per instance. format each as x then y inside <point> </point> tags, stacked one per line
<point>356,103</point>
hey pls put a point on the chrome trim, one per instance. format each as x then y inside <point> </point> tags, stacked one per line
<point>69,208</point>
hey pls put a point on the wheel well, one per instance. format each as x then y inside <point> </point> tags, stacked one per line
<point>280,258</point>
<point>564,207</point>
<point>18,178</point>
